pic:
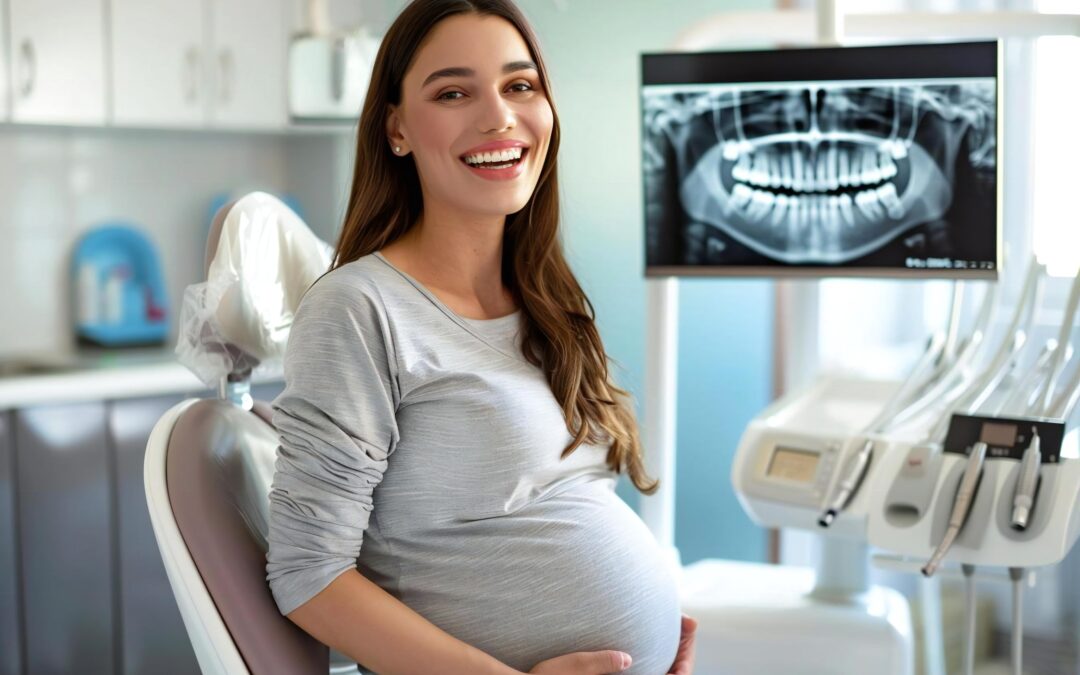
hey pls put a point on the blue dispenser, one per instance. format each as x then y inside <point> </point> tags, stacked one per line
<point>118,292</point>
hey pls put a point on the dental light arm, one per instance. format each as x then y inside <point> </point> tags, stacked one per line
<point>921,375</point>
<point>962,503</point>
<point>1018,399</point>
<point>1005,359</point>
<point>1015,336</point>
<point>1046,392</point>
<point>1063,406</point>
<point>953,332</point>
<point>953,378</point>
<point>1031,405</point>
<point>1026,483</point>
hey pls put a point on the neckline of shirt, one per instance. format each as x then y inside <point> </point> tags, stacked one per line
<point>483,329</point>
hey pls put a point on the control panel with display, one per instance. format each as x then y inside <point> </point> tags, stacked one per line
<point>793,470</point>
<point>793,464</point>
<point>1005,437</point>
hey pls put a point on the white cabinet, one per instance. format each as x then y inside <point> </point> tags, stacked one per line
<point>171,63</point>
<point>218,63</point>
<point>57,61</point>
<point>158,53</point>
<point>247,63</point>
<point>5,90</point>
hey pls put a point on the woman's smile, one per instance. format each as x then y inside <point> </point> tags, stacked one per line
<point>498,168</point>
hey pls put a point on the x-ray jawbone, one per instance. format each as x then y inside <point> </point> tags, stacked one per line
<point>827,202</point>
<point>819,173</point>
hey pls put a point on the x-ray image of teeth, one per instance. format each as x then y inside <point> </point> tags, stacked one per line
<point>844,173</point>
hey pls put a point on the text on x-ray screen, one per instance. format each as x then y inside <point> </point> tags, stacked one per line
<point>897,174</point>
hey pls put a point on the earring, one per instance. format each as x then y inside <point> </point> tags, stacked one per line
<point>397,148</point>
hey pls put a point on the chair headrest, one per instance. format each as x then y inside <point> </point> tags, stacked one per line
<point>260,260</point>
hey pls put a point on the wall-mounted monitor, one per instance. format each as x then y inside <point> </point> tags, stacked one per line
<point>839,161</point>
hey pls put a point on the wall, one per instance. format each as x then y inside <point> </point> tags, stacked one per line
<point>57,183</point>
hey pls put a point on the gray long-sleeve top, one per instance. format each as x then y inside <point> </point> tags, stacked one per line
<point>420,447</point>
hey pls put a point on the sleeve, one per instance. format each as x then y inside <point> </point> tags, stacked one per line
<point>337,426</point>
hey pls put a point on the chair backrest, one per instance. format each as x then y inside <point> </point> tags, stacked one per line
<point>219,466</point>
<point>209,463</point>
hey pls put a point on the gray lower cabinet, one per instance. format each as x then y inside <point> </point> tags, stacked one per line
<point>82,585</point>
<point>10,621</point>
<point>152,635</point>
<point>66,541</point>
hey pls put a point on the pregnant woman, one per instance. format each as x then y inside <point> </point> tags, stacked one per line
<point>443,500</point>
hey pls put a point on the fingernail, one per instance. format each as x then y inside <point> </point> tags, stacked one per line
<point>626,660</point>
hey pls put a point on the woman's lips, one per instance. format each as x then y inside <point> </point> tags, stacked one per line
<point>508,173</point>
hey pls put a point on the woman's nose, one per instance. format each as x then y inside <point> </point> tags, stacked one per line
<point>496,115</point>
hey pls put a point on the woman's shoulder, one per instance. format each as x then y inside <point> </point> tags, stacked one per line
<point>363,280</point>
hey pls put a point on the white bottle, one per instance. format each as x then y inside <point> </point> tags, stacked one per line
<point>114,297</point>
<point>89,296</point>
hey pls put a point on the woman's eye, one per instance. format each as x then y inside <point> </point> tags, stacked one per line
<point>444,96</point>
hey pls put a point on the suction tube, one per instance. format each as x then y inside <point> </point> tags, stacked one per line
<point>965,497</point>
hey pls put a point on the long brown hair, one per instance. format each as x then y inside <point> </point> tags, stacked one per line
<point>559,330</point>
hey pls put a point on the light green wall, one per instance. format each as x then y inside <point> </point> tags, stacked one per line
<point>593,53</point>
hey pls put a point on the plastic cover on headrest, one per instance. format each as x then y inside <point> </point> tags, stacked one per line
<point>238,320</point>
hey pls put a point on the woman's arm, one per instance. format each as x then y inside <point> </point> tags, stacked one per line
<point>361,620</point>
<point>337,423</point>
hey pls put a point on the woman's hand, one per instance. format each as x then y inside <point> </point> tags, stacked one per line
<point>684,658</point>
<point>585,663</point>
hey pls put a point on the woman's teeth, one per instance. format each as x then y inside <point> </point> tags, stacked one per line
<point>495,160</point>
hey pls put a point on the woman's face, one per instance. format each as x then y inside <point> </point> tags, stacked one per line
<point>473,82</point>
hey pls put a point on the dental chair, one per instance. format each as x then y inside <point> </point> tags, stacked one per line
<point>210,462</point>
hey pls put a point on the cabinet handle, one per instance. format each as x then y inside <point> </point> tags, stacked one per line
<point>228,73</point>
<point>29,68</point>
<point>190,74</point>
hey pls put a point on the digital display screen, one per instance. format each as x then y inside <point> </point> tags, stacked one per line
<point>792,464</point>
<point>1002,435</point>
<point>864,161</point>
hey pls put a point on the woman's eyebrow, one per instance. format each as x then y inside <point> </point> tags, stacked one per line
<point>459,71</point>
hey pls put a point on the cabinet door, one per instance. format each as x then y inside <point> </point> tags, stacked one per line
<point>158,50</point>
<point>153,635</point>
<point>247,64</point>
<point>65,538</point>
<point>10,624</point>
<point>58,61</point>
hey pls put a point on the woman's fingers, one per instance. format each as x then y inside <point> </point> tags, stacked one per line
<point>684,657</point>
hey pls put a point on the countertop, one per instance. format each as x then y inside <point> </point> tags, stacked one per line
<point>98,374</point>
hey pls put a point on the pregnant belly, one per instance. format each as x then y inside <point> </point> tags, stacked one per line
<point>576,571</point>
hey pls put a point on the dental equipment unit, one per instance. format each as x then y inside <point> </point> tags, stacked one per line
<point>995,490</point>
<point>960,462</point>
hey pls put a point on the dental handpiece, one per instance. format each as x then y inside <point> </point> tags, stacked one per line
<point>965,497</point>
<point>1026,483</point>
<point>847,486</point>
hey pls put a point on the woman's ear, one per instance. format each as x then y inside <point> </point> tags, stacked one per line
<point>393,131</point>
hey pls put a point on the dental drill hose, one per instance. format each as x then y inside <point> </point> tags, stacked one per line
<point>1026,483</point>
<point>847,486</point>
<point>965,497</point>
